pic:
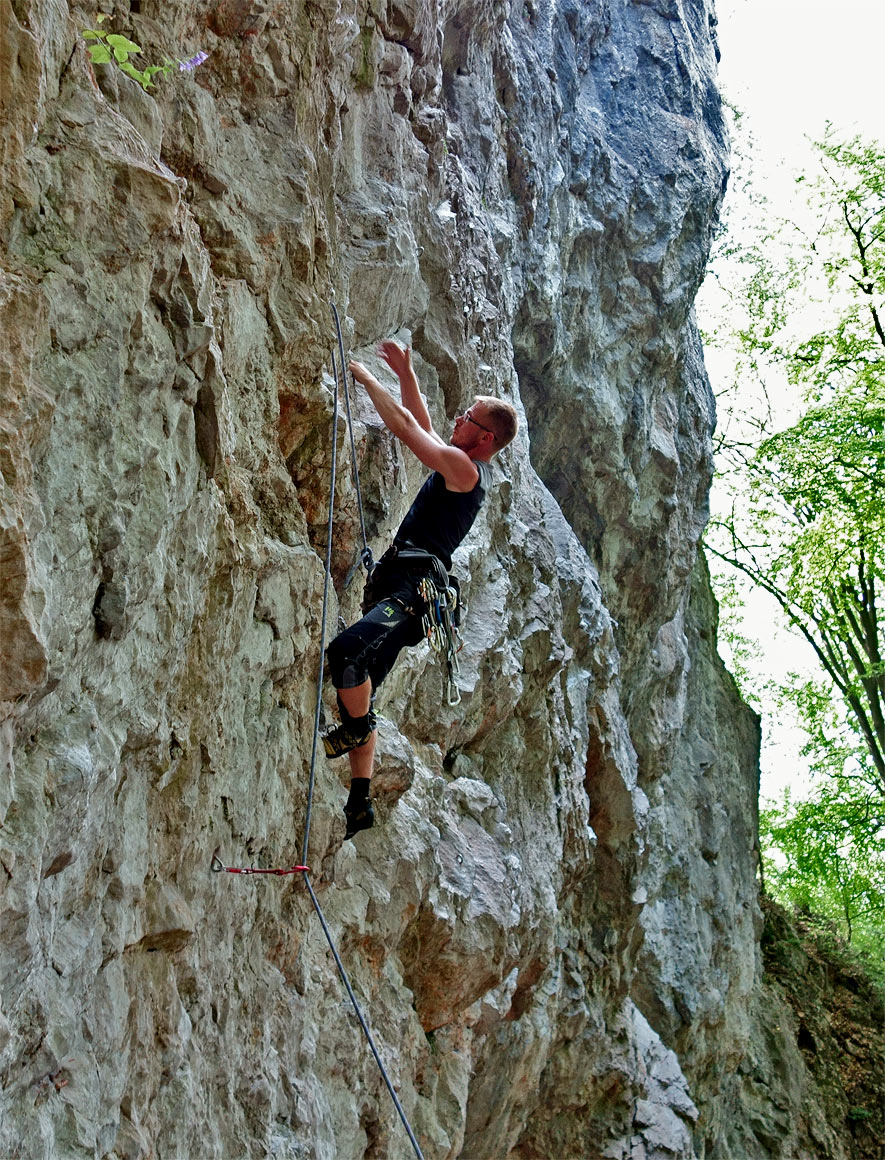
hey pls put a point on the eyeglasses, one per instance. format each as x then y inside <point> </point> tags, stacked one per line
<point>476,423</point>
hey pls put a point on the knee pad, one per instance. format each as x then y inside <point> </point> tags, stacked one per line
<point>340,659</point>
<point>359,724</point>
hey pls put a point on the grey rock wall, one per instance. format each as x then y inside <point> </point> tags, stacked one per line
<point>553,926</point>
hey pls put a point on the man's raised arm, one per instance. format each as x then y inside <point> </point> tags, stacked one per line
<point>399,359</point>
<point>453,464</point>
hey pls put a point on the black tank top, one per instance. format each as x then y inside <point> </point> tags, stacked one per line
<point>439,519</point>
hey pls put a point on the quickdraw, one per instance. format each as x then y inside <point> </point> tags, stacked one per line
<point>440,624</point>
<point>218,866</point>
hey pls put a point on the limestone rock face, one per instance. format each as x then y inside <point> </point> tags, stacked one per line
<point>553,926</point>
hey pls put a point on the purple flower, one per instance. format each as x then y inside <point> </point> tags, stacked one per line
<point>191,63</point>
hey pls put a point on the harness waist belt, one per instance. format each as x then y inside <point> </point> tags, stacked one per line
<point>407,553</point>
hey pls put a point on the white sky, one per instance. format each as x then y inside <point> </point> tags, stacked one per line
<point>791,66</point>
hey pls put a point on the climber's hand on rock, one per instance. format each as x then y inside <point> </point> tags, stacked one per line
<point>397,357</point>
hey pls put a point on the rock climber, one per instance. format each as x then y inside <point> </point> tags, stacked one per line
<point>441,516</point>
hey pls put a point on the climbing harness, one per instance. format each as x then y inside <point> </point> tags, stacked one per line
<point>366,558</point>
<point>443,607</point>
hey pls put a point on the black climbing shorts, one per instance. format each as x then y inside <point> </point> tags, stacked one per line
<point>367,650</point>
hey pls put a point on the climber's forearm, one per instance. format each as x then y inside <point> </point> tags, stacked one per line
<point>413,400</point>
<point>393,414</point>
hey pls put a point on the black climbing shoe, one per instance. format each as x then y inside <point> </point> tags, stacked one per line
<point>350,734</point>
<point>359,817</point>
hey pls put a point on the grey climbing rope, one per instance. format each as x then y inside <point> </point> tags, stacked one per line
<point>363,1024</point>
<point>366,554</point>
<point>326,579</point>
<point>367,560</point>
<point>303,869</point>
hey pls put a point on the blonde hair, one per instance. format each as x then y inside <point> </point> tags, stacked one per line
<point>502,419</point>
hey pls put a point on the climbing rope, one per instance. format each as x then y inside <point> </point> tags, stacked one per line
<point>366,558</point>
<point>363,1024</point>
<point>326,578</point>
<point>366,554</point>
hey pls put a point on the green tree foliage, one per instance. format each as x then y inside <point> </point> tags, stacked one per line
<point>811,533</point>
<point>826,857</point>
<point>806,519</point>
<point>807,522</point>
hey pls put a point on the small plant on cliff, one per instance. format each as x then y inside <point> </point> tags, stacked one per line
<point>112,48</point>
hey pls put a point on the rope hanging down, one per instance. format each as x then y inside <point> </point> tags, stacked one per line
<point>366,554</point>
<point>366,558</point>
<point>326,579</point>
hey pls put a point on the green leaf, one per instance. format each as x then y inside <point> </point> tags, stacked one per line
<point>120,42</point>
<point>100,53</point>
<point>133,72</point>
<point>91,34</point>
<point>102,16</point>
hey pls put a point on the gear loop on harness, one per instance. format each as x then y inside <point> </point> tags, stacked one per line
<point>440,623</point>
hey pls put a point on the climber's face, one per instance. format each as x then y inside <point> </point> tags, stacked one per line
<point>471,428</point>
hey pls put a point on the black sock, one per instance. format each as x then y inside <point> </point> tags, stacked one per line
<point>359,790</point>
